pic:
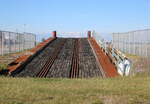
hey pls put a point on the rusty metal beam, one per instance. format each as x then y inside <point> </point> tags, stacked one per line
<point>109,68</point>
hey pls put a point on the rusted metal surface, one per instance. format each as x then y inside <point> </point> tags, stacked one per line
<point>78,60</point>
<point>74,72</point>
<point>19,61</point>
<point>72,59</point>
<point>88,66</point>
<point>54,34</point>
<point>97,60</point>
<point>49,63</point>
<point>89,34</point>
<point>62,65</point>
<point>104,60</point>
<point>34,65</point>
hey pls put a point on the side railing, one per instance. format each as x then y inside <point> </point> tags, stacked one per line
<point>117,57</point>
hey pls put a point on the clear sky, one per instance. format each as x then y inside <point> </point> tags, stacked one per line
<point>43,16</point>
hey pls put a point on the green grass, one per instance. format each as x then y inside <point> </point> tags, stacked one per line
<point>3,66</point>
<point>121,90</point>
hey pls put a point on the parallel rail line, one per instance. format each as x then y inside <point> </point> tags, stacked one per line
<point>74,72</point>
<point>50,61</point>
<point>64,57</point>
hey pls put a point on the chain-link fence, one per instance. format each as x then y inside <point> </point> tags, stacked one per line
<point>101,41</point>
<point>11,42</point>
<point>134,42</point>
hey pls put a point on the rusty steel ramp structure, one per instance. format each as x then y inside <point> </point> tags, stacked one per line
<point>64,58</point>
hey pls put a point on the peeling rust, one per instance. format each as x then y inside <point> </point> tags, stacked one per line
<point>104,60</point>
<point>19,61</point>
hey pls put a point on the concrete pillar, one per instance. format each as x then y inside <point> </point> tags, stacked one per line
<point>89,34</point>
<point>54,34</point>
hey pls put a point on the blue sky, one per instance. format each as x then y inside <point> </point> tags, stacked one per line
<point>105,16</point>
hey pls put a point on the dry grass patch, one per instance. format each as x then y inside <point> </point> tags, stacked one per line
<point>140,65</point>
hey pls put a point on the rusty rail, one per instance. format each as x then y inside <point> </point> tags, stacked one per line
<point>108,67</point>
<point>97,60</point>
<point>15,66</point>
<point>50,61</point>
<point>74,72</point>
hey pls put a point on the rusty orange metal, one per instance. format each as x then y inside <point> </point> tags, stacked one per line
<point>15,64</point>
<point>54,34</point>
<point>104,60</point>
<point>89,34</point>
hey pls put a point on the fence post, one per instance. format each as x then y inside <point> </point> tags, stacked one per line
<point>19,42</point>
<point>9,44</point>
<point>118,41</point>
<point>134,43</point>
<point>130,43</point>
<point>146,45</point>
<point>23,42</point>
<point>2,50</point>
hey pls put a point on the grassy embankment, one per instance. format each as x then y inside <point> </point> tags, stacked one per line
<point>140,65</point>
<point>121,90</point>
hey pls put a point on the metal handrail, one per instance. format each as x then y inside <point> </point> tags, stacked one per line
<point>120,60</point>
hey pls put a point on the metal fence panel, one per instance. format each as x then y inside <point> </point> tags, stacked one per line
<point>134,42</point>
<point>11,42</point>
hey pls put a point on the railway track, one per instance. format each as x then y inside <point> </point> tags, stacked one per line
<point>87,61</point>
<point>63,58</point>
<point>62,65</point>
<point>74,72</point>
<point>49,63</point>
<point>32,68</point>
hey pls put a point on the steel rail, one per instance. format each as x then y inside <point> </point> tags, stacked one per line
<point>45,69</point>
<point>74,72</point>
